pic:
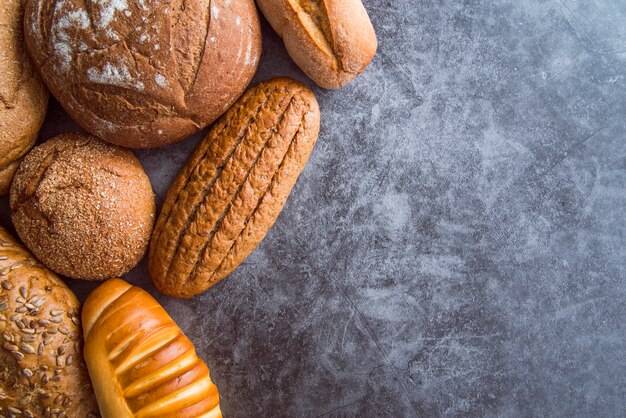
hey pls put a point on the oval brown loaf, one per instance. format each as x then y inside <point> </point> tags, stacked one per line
<point>23,97</point>
<point>42,373</point>
<point>85,208</point>
<point>144,74</point>
<point>233,188</point>
<point>140,362</point>
<point>332,41</point>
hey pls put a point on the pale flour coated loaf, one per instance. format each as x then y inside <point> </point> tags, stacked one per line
<point>23,97</point>
<point>332,41</point>
<point>42,372</point>
<point>144,74</point>
<point>84,207</point>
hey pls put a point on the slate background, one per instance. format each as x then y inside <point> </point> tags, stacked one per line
<point>456,245</point>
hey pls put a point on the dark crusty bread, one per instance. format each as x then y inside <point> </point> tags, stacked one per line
<point>84,207</point>
<point>332,41</point>
<point>233,188</point>
<point>140,362</point>
<point>23,97</point>
<point>42,373</point>
<point>144,74</point>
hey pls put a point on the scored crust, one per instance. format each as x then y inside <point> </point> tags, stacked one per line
<point>140,362</point>
<point>144,74</point>
<point>332,41</point>
<point>233,187</point>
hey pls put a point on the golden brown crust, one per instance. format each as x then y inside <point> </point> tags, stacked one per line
<point>233,188</point>
<point>23,97</point>
<point>140,362</point>
<point>332,41</point>
<point>42,373</point>
<point>144,74</point>
<point>85,208</point>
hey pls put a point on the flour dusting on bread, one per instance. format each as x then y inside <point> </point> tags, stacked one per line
<point>144,66</point>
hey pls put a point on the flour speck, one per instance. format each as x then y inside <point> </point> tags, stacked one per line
<point>160,80</point>
<point>108,8</point>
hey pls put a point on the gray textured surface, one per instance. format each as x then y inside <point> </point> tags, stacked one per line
<point>456,245</point>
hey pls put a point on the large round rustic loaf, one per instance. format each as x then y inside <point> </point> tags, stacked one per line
<point>332,41</point>
<point>42,373</point>
<point>144,74</point>
<point>233,187</point>
<point>23,97</point>
<point>140,362</point>
<point>85,208</point>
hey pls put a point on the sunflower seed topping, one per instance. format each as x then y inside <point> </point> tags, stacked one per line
<point>27,348</point>
<point>10,347</point>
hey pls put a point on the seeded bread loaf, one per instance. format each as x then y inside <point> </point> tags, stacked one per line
<point>233,188</point>
<point>144,74</point>
<point>42,373</point>
<point>85,208</point>
<point>140,362</point>
<point>23,97</point>
<point>332,41</point>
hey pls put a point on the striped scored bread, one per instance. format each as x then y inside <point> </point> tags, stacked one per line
<point>141,364</point>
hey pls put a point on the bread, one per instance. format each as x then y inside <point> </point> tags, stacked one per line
<point>42,373</point>
<point>140,362</point>
<point>85,208</point>
<point>144,74</point>
<point>332,41</point>
<point>23,97</point>
<point>233,187</point>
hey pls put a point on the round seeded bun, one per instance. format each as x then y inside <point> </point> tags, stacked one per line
<point>144,74</point>
<point>42,372</point>
<point>85,208</point>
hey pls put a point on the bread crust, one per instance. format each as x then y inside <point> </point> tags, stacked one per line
<point>144,74</point>
<point>332,41</point>
<point>140,362</point>
<point>233,187</point>
<point>41,363</point>
<point>23,97</point>
<point>85,208</point>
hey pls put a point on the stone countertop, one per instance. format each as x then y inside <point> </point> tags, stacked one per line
<point>456,245</point>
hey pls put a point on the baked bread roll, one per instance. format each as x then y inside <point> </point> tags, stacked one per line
<point>233,187</point>
<point>85,208</point>
<point>332,41</point>
<point>140,362</point>
<point>23,97</point>
<point>144,74</point>
<point>42,373</point>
